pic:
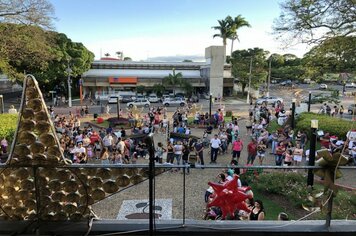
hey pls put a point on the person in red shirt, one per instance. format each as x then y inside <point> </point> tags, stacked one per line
<point>237,146</point>
<point>251,152</point>
<point>94,137</point>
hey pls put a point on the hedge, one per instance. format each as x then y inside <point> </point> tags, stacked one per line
<point>8,123</point>
<point>332,125</point>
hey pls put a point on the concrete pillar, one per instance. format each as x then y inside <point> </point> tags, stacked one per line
<point>215,57</point>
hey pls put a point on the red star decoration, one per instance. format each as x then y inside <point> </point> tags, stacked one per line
<point>228,197</point>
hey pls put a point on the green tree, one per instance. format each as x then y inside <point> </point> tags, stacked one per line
<point>173,80</point>
<point>65,51</point>
<point>314,21</point>
<point>140,89</point>
<point>158,89</point>
<point>127,59</point>
<point>27,12</point>
<point>24,49</point>
<point>334,55</point>
<point>241,66</point>
<point>237,23</point>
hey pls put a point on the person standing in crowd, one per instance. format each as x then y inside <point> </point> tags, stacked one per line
<point>104,156</point>
<point>215,144</point>
<point>251,151</point>
<point>280,151</point>
<point>261,151</point>
<point>185,156</point>
<point>199,148</point>
<point>108,142</point>
<point>178,149</point>
<point>4,144</point>
<point>170,152</point>
<point>258,211</point>
<point>237,147</point>
<point>297,154</point>
<point>159,152</point>
<point>341,110</point>
<point>282,217</point>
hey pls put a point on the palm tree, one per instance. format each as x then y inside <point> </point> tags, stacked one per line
<point>236,24</point>
<point>225,29</point>
<point>107,54</point>
<point>174,79</point>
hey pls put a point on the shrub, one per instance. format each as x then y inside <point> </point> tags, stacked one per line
<point>8,126</point>
<point>114,121</point>
<point>290,185</point>
<point>335,126</point>
<point>228,113</point>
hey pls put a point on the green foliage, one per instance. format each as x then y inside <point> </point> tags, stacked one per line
<point>140,89</point>
<point>228,113</point>
<point>8,126</point>
<point>287,184</point>
<point>332,125</point>
<point>334,55</point>
<point>292,186</point>
<point>302,20</point>
<point>241,66</point>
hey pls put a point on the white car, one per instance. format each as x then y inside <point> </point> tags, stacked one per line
<point>139,103</point>
<point>350,85</point>
<point>323,86</point>
<point>174,102</point>
<point>269,100</point>
<point>153,98</point>
<point>113,98</point>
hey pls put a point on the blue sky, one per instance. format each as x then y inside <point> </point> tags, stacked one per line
<point>152,29</point>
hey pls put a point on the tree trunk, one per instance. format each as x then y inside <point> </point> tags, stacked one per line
<point>243,85</point>
<point>232,48</point>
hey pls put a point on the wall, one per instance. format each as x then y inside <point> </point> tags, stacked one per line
<point>215,56</point>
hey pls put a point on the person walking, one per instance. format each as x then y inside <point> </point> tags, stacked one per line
<point>251,151</point>
<point>215,144</point>
<point>199,148</point>
<point>237,146</point>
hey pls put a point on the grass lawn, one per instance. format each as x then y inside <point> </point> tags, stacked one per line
<point>272,208</point>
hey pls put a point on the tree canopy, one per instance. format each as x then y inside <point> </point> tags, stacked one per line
<point>27,12</point>
<point>45,54</point>
<point>313,21</point>
<point>241,66</point>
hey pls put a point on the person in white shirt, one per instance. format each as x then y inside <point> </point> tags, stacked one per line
<point>215,144</point>
<point>108,141</point>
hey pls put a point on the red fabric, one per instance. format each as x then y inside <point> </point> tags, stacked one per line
<point>99,120</point>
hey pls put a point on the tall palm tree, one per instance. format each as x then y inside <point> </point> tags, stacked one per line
<point>225,29</point>
<point>235,24</point>
<point>174,79</point>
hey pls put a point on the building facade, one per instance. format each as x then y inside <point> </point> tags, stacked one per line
<point>111,76</point>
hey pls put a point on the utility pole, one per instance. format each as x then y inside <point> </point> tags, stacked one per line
<point>249,83</point>
<point>69,70</point>
<point>269,75</point>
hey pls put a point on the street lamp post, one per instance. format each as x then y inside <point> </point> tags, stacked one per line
<point>69,70</point>
<point>293,113</point>
<point>314,127</point>
<point>210,101</point>
<point>309,101</point>
<point>249,83</point>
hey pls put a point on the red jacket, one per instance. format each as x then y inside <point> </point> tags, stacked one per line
<point>252,148</point>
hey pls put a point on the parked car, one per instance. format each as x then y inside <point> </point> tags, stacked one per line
<point>153,98</point>
<point>139,103</point>
<point>193,98</point>
<point>351,109</point>
<point>350,85</point>
<point>268,100</point>
<point>286,83</point>
<point>323,86</point>
<point>127,98</point>
<point>318,98</point>
<point>174,102</point>
<point>113,98</point>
